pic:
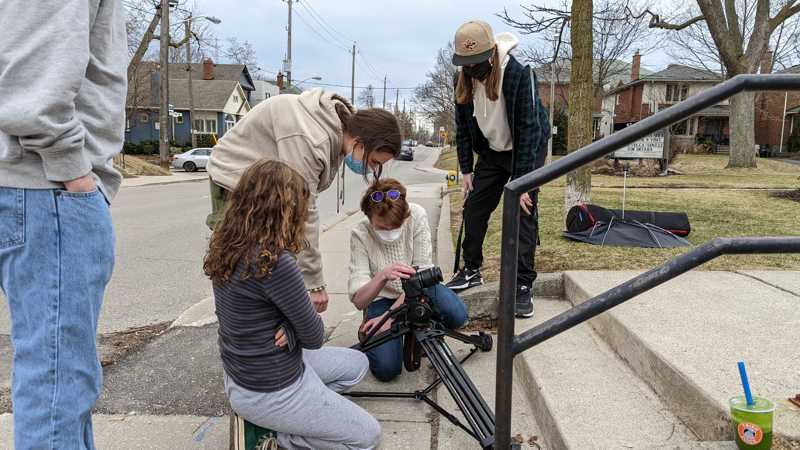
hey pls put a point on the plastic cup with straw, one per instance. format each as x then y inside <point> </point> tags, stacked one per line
<point>751,417</point>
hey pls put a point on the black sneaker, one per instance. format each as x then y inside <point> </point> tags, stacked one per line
<point>465,279</point>
<point>523,307</point>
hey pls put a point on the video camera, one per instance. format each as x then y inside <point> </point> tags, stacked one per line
<point>419,310</point>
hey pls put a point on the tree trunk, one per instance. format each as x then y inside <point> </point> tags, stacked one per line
<point>742,123</point>
<point>581,100</point>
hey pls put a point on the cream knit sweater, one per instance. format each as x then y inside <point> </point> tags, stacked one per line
<point>369,254</point>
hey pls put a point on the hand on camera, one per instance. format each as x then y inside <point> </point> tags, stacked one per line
<point>396,271</point>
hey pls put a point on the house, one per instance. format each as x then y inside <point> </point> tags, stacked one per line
<point>777,113</point>
<point>615,72</point>
<point>220,101</point>
<point>646,95</point>
<point>232,72</point>
<point>263,91</point>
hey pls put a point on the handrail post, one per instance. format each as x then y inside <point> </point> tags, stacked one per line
<point>505,319</point>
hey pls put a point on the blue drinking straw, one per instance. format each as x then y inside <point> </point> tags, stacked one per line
<point>745,384</point>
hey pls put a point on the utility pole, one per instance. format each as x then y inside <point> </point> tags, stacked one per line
<point>163,110</point>
<point>397,101</point>
<point>353,77</point>
<point>289,48</point>
<point>188,24</point>
<point>552,104</point>
<point>384,92</point>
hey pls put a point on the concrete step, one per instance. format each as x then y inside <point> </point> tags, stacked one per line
<point>684,338</point>
<point>481,370</point>
<point>584,396</point>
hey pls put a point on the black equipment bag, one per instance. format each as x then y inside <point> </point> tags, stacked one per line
<point>584,216</point>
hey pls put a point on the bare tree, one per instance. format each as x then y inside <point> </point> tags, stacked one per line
<point>617,34</point>
<point>581,100</point>
<point>241,53</point>
<point>435,98</point>
<point>741,31</point>
<point>366,97</point>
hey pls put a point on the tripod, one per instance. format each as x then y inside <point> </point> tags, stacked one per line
<point>422,333</point>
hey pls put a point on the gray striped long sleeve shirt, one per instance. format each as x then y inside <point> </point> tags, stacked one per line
<point>251,312</point>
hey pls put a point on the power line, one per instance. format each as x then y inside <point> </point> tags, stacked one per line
<point>310,7</point>
<point>323,26</point>
<point>317,83</point>
<point>324,39</point>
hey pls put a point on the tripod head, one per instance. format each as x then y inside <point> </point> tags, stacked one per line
<point>419,311</point>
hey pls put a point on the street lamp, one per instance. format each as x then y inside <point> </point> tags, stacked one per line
<point>188,31</point>
<point>317,78</point>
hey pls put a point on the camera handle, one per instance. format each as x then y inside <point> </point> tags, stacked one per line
<point>365,344</point>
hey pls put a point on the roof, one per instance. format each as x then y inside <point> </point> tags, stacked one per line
<point>674,73</point>
<point>621,71</point>
<point>210,95</point>
<point>230,72</point>
<point>262,89</point>
<point>715,111</point>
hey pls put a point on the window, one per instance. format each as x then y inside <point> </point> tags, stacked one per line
<point>198,126</point>
<point>236,99</point>
<point>677,92</point>
<point>211,126</point>
<point>685,128</point>
<point>179,119</point>
<point>229,122</point>
<point>144,118</point>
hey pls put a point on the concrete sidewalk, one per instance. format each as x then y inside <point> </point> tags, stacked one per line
<point>176,177</point>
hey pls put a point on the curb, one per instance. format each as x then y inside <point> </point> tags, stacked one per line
<point>200,314</point>
<point>163,183</point>
<point>445,253</point>
<point>482,301</point>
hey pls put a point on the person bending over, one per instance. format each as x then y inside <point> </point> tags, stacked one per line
<point>393,237</point>
<point>277,374</point>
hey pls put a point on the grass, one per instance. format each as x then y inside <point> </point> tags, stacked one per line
<point>135,166</point>
<point>713,211</point>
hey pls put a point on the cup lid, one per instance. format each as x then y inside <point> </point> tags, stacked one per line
<point>760,404</point>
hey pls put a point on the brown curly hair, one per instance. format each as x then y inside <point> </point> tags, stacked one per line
<point>394,212</point>
<point>264,216</point>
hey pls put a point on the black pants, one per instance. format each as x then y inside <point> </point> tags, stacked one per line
<point>491,173</point>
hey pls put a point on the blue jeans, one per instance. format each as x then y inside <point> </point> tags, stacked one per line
<point>386,360</point>
<point>56,257</point>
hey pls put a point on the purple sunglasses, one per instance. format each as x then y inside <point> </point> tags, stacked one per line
<point>391,194</point>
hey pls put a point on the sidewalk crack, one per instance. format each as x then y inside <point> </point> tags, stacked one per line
<point>772,285</point>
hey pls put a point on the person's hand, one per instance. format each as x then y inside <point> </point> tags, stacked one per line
<point>526,203</point>
<point>396,271</point>
<point>467,188</point>
<point>319,300</point>
<point>83,184</point>
<point>280,338</point>
<point>367,326</point>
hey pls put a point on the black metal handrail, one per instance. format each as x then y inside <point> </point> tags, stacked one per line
<point>509,345</point>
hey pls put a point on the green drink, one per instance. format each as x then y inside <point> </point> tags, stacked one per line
<point>752,424</point>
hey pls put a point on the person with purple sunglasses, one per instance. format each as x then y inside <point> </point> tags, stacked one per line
<point>384,248</point>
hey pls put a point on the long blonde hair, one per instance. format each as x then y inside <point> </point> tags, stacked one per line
<point>465,86</point>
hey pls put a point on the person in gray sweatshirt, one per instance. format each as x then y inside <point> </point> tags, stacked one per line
<point>62,111</point>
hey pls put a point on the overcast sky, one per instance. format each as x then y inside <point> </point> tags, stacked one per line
<point>397,38</point>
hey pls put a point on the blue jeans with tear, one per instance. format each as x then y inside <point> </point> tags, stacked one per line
<point>56,258</point>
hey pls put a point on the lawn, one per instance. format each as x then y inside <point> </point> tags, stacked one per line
<point>713,212</point>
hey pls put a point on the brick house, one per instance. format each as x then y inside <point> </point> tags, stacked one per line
<point>771,123</point>
<point>618,72</point>
<point>648,94</point>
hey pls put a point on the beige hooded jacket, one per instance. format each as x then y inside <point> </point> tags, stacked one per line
<point>303,131</point>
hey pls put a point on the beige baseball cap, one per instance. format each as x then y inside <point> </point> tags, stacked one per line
<point>473,43</point>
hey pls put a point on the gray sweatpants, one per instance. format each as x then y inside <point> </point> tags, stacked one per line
<point>310,414</point>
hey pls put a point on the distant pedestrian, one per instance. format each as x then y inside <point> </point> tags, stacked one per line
<point>500,118</point>
<point>278,375</point>
<point>314,133</point>
<point>62,114</point>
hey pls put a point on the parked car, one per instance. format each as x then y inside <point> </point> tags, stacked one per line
<point>194,159</point>
<point>406,152</point>
<point>429,144</point>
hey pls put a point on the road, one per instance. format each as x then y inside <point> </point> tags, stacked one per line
<point>162,238</point>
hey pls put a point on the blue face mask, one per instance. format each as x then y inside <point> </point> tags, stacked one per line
<point>355,166</point>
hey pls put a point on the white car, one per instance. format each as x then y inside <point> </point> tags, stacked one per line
<point>196,158</point>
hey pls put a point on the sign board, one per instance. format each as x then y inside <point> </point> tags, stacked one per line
<point>649,147</point>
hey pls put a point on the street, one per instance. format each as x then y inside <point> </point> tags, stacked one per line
<point>162,238</point>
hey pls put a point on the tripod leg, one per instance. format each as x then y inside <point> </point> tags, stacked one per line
<point>481,340</point>
<point>469,400</point>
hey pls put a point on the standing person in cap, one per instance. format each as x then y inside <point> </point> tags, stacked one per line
<point>500,118</point>
<point>313,133</point>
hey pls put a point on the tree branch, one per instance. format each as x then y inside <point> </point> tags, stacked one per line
<point>789,9</point>
<point>657,22</point>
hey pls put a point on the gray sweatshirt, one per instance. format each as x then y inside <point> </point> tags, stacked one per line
<point>63,84</point>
